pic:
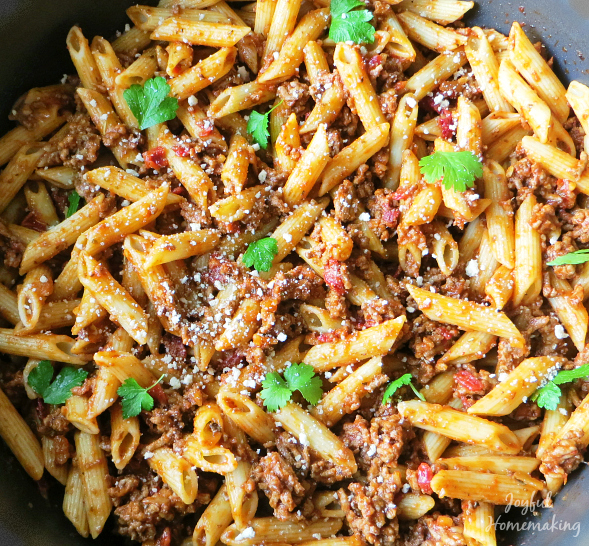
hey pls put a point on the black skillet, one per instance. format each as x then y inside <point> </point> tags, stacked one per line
<point>33,53</point>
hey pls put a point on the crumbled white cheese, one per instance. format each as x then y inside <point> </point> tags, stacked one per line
<point>411,102</point>
<point>559,332</point>
<point>364,217</point>
<point>246,533</point>
<point>192,100</point>
<point>281,336</point>
<point>287,237</point>
<point>175,383</point>
<point>472,268</point>
<point>262,175</point>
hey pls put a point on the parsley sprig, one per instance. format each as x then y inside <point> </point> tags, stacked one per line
<point>135,398</point>
<point>58,391</point>
<point>548,396</point>
<point>257,126</point>
<point>458,169</point>
<point>150,103</point>
<point>277,391</point>
<point>572,258</point>
<point>74,203</point>
<point>261,253</point>
<point>349,24</point>
<point>397,384</point>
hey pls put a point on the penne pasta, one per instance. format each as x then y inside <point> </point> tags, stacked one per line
<point>466,314</point>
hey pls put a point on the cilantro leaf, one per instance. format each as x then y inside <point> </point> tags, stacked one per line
<point>458,169</point>
<point>257,126</point>
<point>299,377</point>
<point>40,377</point>
<point>348,25</point>
<point>302,378</point>
<point>275,393</point>
<point>572,258</point>
<point>261,253</point>
<point>135,398</point>
<point>566,376</point>
<point>397,384</point>
<point>150,103</point>
<point>547,396</point>
<point>74,203</point>
<point>61,389</point>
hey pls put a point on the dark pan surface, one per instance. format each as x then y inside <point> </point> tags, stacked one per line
<point>32,42</point>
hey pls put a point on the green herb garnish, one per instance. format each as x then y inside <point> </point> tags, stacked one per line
<point>458,169</point>
<point>135,398</point>
<point>150,102</point>
<point>572,258</point>
<point>261,253</point>
<point>257,126</point>
<point>58,391</point>
<point>397,384</point>
<point>349,24</point>
<point>277,391</point>
<point>548,396</point>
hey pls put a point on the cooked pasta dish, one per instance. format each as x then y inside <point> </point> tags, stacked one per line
<point>297,272</point>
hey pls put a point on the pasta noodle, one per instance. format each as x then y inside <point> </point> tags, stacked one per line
<point>278,275</point>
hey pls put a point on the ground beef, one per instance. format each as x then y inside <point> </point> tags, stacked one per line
<point>560,248</point>
<point>526,176</point>
<point>384,213</point>
<point>577,133</point>
<point>391,73</point>
<point>580,222</point>
<point>39,102</point>
<point>388,104</point>
<point>174,347</point>
<point>563,456</point>
<point>371,509</point>
<point>295,95</point>
<point>471,384</point>
<point>53,422</point>
<point>148,508</point>
<point>336,304</point>
<point>346,123</point>
<point>300,283</point>
<point>345,202</point>
<point>11,247</point>
<point>431,338</point>
<point>377,443</point>
<point>544,219</point>
<point>436,530</point>
<point>377,310</point>
<point>63,449</point>
<point>280,484</point>
<point>363,182</point>
<point>76,146</point>
<point>12,382</point>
